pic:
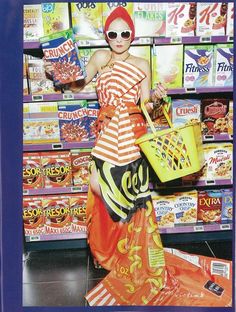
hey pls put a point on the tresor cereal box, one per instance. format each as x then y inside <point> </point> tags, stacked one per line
<point>227,205</point>
<point>33,217</point>
<point>33,22</point>
<point>230,20</point>
<point>80,159</point>
<point>224,65</point>
<point>78,212</point>
<point>209,206</point>
<point>198,66</point>
<point>184,111</point>
<point>185,207</point>
<point>164,210</point>
<point>32,171</point>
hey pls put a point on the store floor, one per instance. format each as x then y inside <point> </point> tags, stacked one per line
<point>63,277</point>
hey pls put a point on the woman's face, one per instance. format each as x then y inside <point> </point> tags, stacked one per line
<point>119,45</point>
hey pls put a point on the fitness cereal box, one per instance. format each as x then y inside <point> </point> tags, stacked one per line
<point>224,65</point>
<point>78,212</point>
<point>164,210</point>
<point>230,119</point>
<point>108,7</point>
<point>230,20</point>
<point>227,205</point>
<point>180,19</point>
<point>72,117</point>
<point>167,65</point>
<point>214,116</point>
<point>149,19</point>
<point>55,17</point>
<point>198,66</point>
<point>32,171</point>
<point>33,22</point>
<point>209,206</point>
<point>211,18</point>
<point>184,111</point>
<point>57,215</point>
<point>33,217</point>
<point>80,159</point>
<point>56,168</point>
<point>141,51</point>
<point>87,20</point>
<point>92,115</point>
<point>185,207</point>
<point>60,49</point>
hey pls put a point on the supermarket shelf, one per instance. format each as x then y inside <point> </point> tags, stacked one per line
<point>56,190</point>
<point>217,137</point>
<point>197,228</point>
<point>213,89</point>
<point>57,146</point>
<point>53,237</point>
<point>193,40</point>
<point>60,97</point>
<point>208,182</point>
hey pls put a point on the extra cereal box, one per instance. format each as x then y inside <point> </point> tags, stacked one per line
<point>33,22</point>
<point>57,214</point>
<point>33,216</point>
<point>227,205</point>
<point>72,117</point>
<point>56,168</point>
<point>78,212</point>
<point>198,66</point>
<point>211,18</point>
<point>87,20</point>
<point>80,159</point>
<point>108,7</point>
<point>214,116</point>
<point>180,19</point>
<point>185,207</point>
<point>224,65</point>
<point>92,115</point>
<point>167,65</point>
<point>209,206</point>
<point>55,17</point>
<point>149,19</point>
<point>32,171</point>
<point>60,49</point>
<point>230,20</point>
<point>184,111</point>
<point>164,210</point>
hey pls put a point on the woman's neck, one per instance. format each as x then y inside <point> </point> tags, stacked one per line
<point>119,56</point>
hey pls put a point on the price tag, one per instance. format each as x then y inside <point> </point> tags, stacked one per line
<point>34,238</point>
<point>231,136</point>
<point>198,228</point>
<point>208,137</point>
<point>38,97</point>
<point>144,40</point>
<point>83,43</point>
<point>75,189</point>
<point>176,40</point>
<point>225,227</point>
<point>68,96</point>
<point>230,39</point>
<point>205,39</point>
<point>190,90</point>
<point>25,192</point>
<point>57,146</point>
<point>210,182</point>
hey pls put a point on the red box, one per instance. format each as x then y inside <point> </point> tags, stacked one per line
<point>209,206</point>
<point>80,159</point>
<point>33,217</point>
<point>78,212</point>
<point>32,172</point>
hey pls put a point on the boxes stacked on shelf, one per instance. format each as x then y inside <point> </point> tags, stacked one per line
<point>78,212</point>
<point>164,210</point>
<point>33,22</point>
<point>184,111</point>
<point>224,65</point>
<point>227,205</point>
<point>32,171</point>
<point>92,115</point>
<point>80,159</point>
<point>209,206</point>
<point>230,20</point>
<point>185,207</point>
<point>25,78</point>
<point>33,216</point>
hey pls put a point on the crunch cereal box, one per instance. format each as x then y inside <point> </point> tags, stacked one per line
<point>227,205</point>
<point>92,115</point>
<point>209,206</point>
<point>33,217</point>
<point>164,210</point>
<point>32,171</point>
<point>224,65</point>
<point>80,159</point>
<point>185,207</point>
<point>184,111</point>
<point>33,22</point>
<point>230,20</point>
<point>78,212</point>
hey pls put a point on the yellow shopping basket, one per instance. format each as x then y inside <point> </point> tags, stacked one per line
<point>173,152</point>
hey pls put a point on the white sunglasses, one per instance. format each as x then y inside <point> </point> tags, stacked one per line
<point>124,34</point>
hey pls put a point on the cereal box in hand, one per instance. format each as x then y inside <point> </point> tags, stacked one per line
<point>78,212</point>
<point>209,206</point>
<point>164,210</point>
<point>33,22</point>
<point>32,171</point>
<point>80,159</point>
<point>224,65</point>
<point>33,217</point>
<point>230,20</point>
<point>227,205</point>
<point>185,207</point>
<point>184,111</point>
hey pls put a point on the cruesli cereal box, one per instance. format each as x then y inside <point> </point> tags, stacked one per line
<point>184,111</point>
<point>185,207</point>
<point>180,19</point>
<point>198,66</point>
<point>230,20</point>
<point>209,206</point>
<point>56,168</point>
<point>80,159</point>
<point>211,18</point>
<point>87,20</point>
<point>227,205</point>
<point>149,19</point>
<point>108,7</point>
<point>33,217</point>
<point>33,22</point>
<point>32,171</point>
<point>164,209</point>
<point>57,214</point>
<point>78,212</point>
<point>224,64</point>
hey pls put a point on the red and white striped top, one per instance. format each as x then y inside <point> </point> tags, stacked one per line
<point>118,88</point>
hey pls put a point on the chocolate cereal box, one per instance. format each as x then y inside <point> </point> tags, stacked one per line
<point>33,22</point>
<point>184,111</point>
<point>80,159</point>
<point>78,212</point>
<point>32,171</point>
<point>33,217</point>
<point>108,7</point>
<point>87,20</point>
<point>180,19</point>
<point>230,20</point>
<point>227,205</point>
<point>149,19</point>
<point>209,206</point>
<point>185,207</point>
<point>164,209</point>
<point>224,65</point>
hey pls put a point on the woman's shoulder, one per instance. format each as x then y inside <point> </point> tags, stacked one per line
<point>101,55</point>
<point>142,63</point>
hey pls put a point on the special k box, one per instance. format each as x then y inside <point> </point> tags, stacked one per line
<point>149,19</point>
<point>78,212</point>
<point>56,168</point>
<point>211,18</point>
<point>33,217</point>
<point>57,214</point>
<point>224,65</point>
<point>230,20</point>
<point>209,206</point>
<point>80,159</point>
<point>32,171</point>
<point>108,7</point>
<point>180,19</point>
<point>164,209</point>
<point>184,111</point>
<point>87,20</point>
<point>185,207</point>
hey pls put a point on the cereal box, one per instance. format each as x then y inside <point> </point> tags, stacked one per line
<point>80,159</point>
<point>108,7</point>
<point>229,117</point>
<point>33,217</point>
<point>73,121</point>
<point>32,171</point>
<point>55,17</point>
<point>25,78</point>
<point>149,19</point>
<point>42,108</point>
<point>167,65</point>
<point>209,206</point>
<point>184,111</point>
<point>227,205</point>
<point>180,19</point>
<point>211,18</point>
<point>198,66</point>
<point>56,168</point>
<point>87,20</point>
<point>59,49</point>
<point>92,115</point>
<point>141,51</point>
<point>57,214</point>
<point>230,20</point>
<point>78,212</point>
<point>214,116</point>
<point>224,65</point>
<point>185,207</point>
<point>164,210</point>
<point>33,22</point>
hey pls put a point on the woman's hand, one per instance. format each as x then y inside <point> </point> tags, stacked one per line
<point>159,93</point>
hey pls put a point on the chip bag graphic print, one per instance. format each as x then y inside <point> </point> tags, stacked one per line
<point>60,50</point>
